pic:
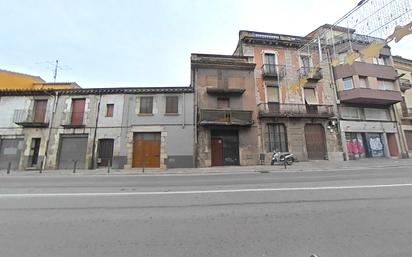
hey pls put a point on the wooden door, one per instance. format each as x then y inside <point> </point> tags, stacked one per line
<point>77,111</point>
<point>217,152</point>
<point>392,144</point>
<point>106,151</point>
<point>40,110</point>
<point>315,141</point>
<point>146,150</point>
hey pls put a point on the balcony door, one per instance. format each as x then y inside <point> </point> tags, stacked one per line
<point>77,111</point>
<point>270,63</point>
<point>40,110</point>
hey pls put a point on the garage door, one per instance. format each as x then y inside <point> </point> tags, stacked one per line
<point>10,152</point>
<point>146,150</point>
<point>315,141</point>
<point>72,148</point>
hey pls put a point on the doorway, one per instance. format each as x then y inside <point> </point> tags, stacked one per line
<point>146,149</point>
<point>315,141</point>
<point>225,147</point>
<point>105,155</point>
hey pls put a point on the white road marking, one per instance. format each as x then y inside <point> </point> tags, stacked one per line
<point>202,192</point>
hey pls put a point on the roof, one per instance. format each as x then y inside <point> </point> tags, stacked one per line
<point>22,74</point>
<point>99,91</point>
<point>330,26</point>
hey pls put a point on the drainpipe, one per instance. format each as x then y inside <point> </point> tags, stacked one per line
<point>93,164</point>
<point>184,111</point>
<point>56,100</point>
<point>195,107</point>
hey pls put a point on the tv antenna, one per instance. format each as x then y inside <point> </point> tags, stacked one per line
<point>55,67</point>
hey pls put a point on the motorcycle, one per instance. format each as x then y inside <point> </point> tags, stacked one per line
<point>283,158</point>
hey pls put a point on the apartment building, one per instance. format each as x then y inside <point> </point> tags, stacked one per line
<point>403,67</point>
<point>295,99</point>
<point>225,102</point>
<point>91,128</point>
<point>367,91</point>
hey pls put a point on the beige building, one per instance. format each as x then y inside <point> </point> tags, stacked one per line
<point>404,69</point>
<point>225,102</point>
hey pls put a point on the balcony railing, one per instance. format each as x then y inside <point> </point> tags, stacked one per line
<point>73,119</point>
<point>407,113</point>
<point>226,117</point>
<point>273,71</point>
<point>295,110</point>
<point>310,73</point>
<point>405,85</point>
<point>30,118</point>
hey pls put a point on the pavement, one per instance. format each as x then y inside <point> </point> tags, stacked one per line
<point>295,167</point>
<point>351,213</point>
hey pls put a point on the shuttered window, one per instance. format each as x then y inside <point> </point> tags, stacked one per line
<point>310,96</point>
<point>109,110</point>
<point>146,104</point>
<point>272,94</point>
<point>172,104</point>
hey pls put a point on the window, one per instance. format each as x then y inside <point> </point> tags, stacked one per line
<point>146,104</point>
<point>272,93</point>
<point>223,103</point>
<point>310,96</point>
<point>350,112</point>
<point>109,110</point>
<point>347,83</point>
<point>40,107</point>
<point>381,60</point>
<point>277,140</point>
<point>270,63</point>
<point>172,104</point>
<point>386,85</point>
<point>305,61</point>
<point>376,114</point>
<point>363,82</point>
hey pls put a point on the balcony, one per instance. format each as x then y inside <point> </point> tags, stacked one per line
<point>370,96</point>
<point>365,69</point>
<point>273,71</point>
<point>31,119</point>
<point>295,110</point>
<point>226,117</point>
<point>73,120</point>
<point>405,85</point>
<point>311,73</point>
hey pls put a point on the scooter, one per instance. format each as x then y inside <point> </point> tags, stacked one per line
<point>283,158</point>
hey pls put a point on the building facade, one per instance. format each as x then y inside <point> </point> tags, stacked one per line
<point>225,101</point>
<point>294,97</point>
<point>92,128</point>
<point>403,67</point>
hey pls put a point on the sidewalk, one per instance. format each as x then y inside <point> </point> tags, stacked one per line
<point>296,167</point>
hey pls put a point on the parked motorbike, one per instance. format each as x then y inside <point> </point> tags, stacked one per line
<point>283,158</point>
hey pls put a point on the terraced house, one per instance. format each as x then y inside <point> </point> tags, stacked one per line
<point>91,128</point>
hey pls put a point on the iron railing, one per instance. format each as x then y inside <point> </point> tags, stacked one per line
<point>295,110</point>
<point>273,70</point>
<point>27,117</point>
<point>226,117</point>
<point>73,119</point>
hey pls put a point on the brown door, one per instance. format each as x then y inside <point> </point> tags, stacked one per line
<point>392,145</point>
<point>40,110</point>
<point>315,141</point>
<point>146,150</point>
<point>77,111</point>
<point>217,152</point>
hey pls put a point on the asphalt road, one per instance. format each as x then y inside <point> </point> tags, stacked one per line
<point>329,213</point>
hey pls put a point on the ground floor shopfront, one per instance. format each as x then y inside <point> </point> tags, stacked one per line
<point>367,139</point>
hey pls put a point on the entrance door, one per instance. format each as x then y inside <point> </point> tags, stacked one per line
<point>392,144</point>
<point>225,147</point>
<point>146,150</point>
<point>315,141</point>
<point>34,152</point>
<point>40,110</point>
<point>217,152</point>
<point>10,152</point>
<point>77,111</point>
<point>72,149</point>
<point>105,152</point>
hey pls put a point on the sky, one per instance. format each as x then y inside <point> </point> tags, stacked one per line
<point>128,43</point>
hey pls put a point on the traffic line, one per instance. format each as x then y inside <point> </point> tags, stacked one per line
<point>251,190</point>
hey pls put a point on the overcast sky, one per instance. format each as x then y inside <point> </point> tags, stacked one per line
<point>112,43</point>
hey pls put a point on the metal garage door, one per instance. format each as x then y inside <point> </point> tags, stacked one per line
<point>72,148</point>
<point>315,141</point>
<point>10,152</point>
